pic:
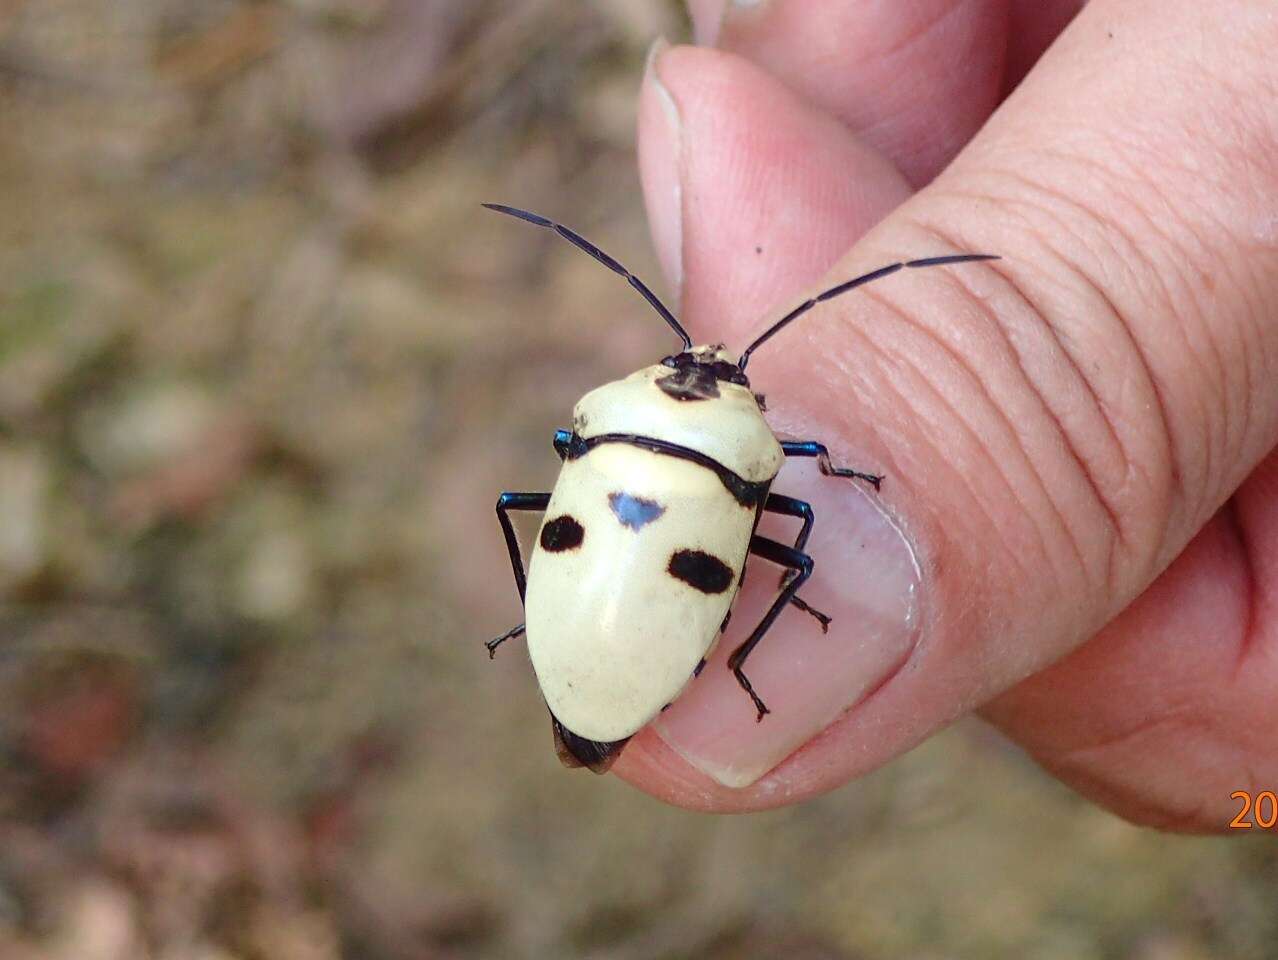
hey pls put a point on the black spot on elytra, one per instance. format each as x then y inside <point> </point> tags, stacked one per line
<point>694,382</point>
<point>701,665</point>
<point>562,533</point>
<point>634,512</point>
<point>701,571</point>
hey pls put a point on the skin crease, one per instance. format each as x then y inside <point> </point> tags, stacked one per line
<point>1079,439</point>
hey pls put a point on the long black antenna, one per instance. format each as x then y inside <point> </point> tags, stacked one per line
<point>582,243</point>
<point>851,285</point>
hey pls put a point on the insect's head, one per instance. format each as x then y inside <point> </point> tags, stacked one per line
<point>695,373</point>
<point>711,359</point>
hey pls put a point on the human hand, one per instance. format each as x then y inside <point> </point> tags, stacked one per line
<point>1079,439</point>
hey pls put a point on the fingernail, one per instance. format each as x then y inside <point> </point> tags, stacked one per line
<point>707,16</point>
<point>660,146</point>
<point>866,577</point>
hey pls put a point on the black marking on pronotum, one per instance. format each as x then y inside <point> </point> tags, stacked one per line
<point>700,570</point>
<point>562,533</point>
<point>575,751</point>
<point>634,512</point>
<point>746,493</point>
<point>689,383</point>
<point>719,369</point>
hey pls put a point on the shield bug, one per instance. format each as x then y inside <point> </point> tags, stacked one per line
<point>645,537</point>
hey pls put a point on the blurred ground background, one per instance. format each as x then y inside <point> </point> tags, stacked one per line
<point>264,365</point>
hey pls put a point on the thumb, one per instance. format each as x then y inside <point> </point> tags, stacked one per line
<point>1054,427</point>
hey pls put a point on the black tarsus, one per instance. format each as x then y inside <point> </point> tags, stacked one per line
<point>797,561</point>
<point>811,448</point>
<point>822,618</point>
<point>582,243</point>
<point>510,634</point>
<point>851,285</point>
<point>791,507</point>
<point>505,503</point>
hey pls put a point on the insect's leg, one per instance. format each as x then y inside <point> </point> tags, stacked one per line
<point>510,634</point>
<point>792,507</point>
<point>517,501</point>
<point>505,503</point>
<point>562,442</point>
<point>568,445</point>
<point>797,561</point>
<point>810,448</point>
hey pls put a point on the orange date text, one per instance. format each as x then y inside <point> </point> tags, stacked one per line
<point>1260,811</point>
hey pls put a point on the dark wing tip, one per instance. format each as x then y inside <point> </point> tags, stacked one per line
<point>575,751</point>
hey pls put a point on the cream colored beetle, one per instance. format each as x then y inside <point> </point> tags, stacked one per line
<point>643,550</point>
